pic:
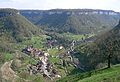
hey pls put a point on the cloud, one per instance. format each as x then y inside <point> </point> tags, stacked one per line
<point>1,1</point>
<point>51,4</point>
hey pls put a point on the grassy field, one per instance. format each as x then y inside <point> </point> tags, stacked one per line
<point>71,36</point>
<point>37,41</point>
<point>107,75</point>
<point>102,75</point>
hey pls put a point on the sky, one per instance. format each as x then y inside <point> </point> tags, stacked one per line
<point>61,4</point>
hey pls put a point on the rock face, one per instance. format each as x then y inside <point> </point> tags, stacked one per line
<point>7,73</point>
<point>70,12</point>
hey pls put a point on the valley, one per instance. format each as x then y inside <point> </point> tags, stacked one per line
<point>59,45</point>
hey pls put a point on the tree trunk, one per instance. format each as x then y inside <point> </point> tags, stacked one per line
<point>109,60</point>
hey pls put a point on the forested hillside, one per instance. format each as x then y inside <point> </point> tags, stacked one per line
<point>73,20</point>
<point>98,59</point>
<point>15,28</point>
<point>102,52</point>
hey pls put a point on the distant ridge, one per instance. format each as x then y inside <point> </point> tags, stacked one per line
<point>70,11</point>
<point>73,20</point>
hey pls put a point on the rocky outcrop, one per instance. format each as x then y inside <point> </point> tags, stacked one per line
<point>7,73</point>
<point>69,12</point>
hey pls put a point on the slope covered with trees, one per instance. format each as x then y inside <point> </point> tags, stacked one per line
<point>16,25</point>
<point>73,20</point>
<point>15,28</point>
<point>104,51</point>
<point>97,59</point>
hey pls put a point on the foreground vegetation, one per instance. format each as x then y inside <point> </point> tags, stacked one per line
<point>102,75</point>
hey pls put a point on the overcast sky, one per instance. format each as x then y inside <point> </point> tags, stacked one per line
<point>64,4</point>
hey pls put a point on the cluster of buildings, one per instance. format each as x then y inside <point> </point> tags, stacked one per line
<point>43,66</point>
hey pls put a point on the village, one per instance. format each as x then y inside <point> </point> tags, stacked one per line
<point>44,66</point>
